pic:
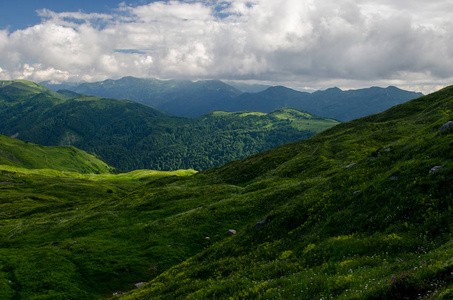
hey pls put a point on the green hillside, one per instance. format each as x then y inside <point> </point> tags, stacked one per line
<point>60,233</point>
<point>16,153</point>
<point>360,211</point>
<point>130,136</point>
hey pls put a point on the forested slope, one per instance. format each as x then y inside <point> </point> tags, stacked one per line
<point>129,135</point>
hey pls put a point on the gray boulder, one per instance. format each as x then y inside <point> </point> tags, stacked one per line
<point>231,231</point>
<point>434,169</point>
<point>260,224</point>
<point>446,126</point>
<point>139,284</point>
<point>351,165</point>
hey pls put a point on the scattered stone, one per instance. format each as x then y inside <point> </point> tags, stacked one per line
<point>348,166</point>
<point>434,169</point>
<point>260,224</point>
<point>446,126</point>
<point>140,284</point>
<point>231,231</point>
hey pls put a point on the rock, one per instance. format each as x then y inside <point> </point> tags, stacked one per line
<point>434,169</point>
<point>393,177</point>
<point>139,284</point>
<point>260,224</point>
<point>231,231</point>
<point>355,192</point>
<point>348,166</point>
<point>446,126</point>
<point>207,238</point>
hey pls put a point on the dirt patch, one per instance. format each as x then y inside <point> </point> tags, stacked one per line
<point>12,183</point>
<point>10,158</point>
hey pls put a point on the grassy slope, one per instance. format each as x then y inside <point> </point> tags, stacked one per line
<point>66,235</point>
<point>332,231</point>
<point>16,153</point>
<point>379,229</point>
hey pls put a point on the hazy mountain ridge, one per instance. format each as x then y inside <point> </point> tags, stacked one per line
<point>192,99</point>
<point>360,211</point>
<point>130,135</point>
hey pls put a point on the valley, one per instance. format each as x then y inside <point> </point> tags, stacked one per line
<point>230,150</point>
<point>361,210</point>
<point>130,136</point>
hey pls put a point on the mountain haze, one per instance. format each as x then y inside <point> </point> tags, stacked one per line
<point>177,97</point>
<point>192,99</point>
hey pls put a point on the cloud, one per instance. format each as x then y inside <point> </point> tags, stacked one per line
<point>295,42</point>
<point>66,17</point>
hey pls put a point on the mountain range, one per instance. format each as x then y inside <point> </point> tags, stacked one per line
<point>130,135</point>
<point>193,99</point>
<point>362,210</point>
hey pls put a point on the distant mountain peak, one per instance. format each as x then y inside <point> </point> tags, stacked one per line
<point>195,98</point>
<point>334,89</point>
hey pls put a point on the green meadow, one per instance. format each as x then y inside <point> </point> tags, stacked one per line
<point>363,210</point>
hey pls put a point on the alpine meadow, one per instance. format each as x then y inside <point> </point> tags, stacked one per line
<point>362,210</point>
<point>226,150</point>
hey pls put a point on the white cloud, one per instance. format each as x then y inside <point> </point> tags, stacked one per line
<point>309,43</point>
<point>66,17</point>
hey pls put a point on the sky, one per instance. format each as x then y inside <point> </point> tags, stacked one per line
<point>303,44</point>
